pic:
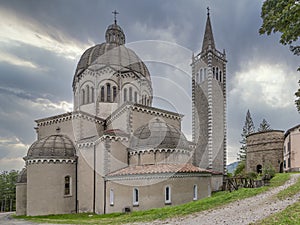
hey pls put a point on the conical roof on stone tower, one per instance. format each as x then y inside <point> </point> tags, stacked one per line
<point>208,39</point>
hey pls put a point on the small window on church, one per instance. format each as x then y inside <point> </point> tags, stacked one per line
<point>102,94</point>
<point>205,73</point>
<point>125,95</point>
<point>108,92</point>
<point>135,97</point>
<point>87,94</point>
<point>220,76</point>
<point>167,195</point>
<point>68,185</point>
<point>82,97</point>
<point>114,93</point>
<point>195,192</point>
<point>135,197</point>
<point>130,94</point>
<point>213,69</point>
<point>111,197</point>
<point>92,94</point>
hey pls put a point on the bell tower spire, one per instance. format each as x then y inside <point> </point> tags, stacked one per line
<point>208,39</point>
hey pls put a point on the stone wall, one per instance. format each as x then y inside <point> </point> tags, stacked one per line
<point>265,149</point>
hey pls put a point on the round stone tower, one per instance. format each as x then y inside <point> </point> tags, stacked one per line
<point>265,149</point>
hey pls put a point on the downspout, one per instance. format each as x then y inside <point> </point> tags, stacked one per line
<point>104,199</point>
<point>94,194</point>
<point>76,185</point>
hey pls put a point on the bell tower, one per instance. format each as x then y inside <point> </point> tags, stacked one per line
<point>209,104</point>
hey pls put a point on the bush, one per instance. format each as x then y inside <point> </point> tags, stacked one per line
<point>240,169</point>
<point>268,171</point>
<point>252,175</point>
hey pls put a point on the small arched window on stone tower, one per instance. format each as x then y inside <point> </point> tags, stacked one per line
<point>125,94</point>
<point>82,96</point>
<point>102,92</point>
<point>114,93</point>
<point>204,74</point>
<point>213,70</point>
<point>217,73</point>
<point>108,92</point>
<point>87,88</point>
<point>221,76</point>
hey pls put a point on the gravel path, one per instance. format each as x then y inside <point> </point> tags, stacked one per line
<point>245,211</point>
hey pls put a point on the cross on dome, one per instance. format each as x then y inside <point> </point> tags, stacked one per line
<point>115,15</point>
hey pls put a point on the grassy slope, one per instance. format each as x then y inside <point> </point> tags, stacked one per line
<point>291,215</point>
<point>217,199</point>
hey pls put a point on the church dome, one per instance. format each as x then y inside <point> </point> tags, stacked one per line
<point>158,134</point>
<point>54,146</point>
<point>112,53</point>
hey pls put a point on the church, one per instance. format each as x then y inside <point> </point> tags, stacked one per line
<point>115,152</point>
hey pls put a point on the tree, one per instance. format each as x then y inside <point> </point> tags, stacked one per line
<point>263,126</point>
<point>247,129</point>
<point>283,16</point>
<point>8,190</point>
<point>297,101</point>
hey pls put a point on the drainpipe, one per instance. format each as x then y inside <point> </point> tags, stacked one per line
<point>104,199</point>
<point>76,185</point>
<point>94,194</point>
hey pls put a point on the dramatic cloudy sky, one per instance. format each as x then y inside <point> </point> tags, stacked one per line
<point>41,42</point>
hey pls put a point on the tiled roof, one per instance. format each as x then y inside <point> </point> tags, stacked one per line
<point>160,168</point>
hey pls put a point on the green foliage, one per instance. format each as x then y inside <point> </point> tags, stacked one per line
<point>248,128</point>
<point>269,170</point>
<point>217,199</point>
<point>264,126</point>
<point>240,169</point>
<point>283,16</point>
<point>297,94</point>
<point>8,190</point>
<point>252,175</point>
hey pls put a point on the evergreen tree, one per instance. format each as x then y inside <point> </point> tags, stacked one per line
<point>263,126</point>
<point>247,129</point>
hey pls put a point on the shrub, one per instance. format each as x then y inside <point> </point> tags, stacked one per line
<point>240,169</point>
<point>268,171</point>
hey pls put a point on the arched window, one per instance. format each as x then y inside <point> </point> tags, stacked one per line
<point>220,76</point>
<point>130,94</point>
<point>148,102</point>
<point>167,194</point>
<point>195,192</point>
<point>135,196</point>
<point>82,96</point>
<point>102,94</point>
<point>213,69</point>
<point>92,94</point>
<point>68,189</point>
<point>201,75</point>
<point>108,92</point>
<point>111,197</point>
<point>135,97</point>
<point>125,94</point>
<point>114,93</point>
<point>205,73</point>
<point>87,94</point>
